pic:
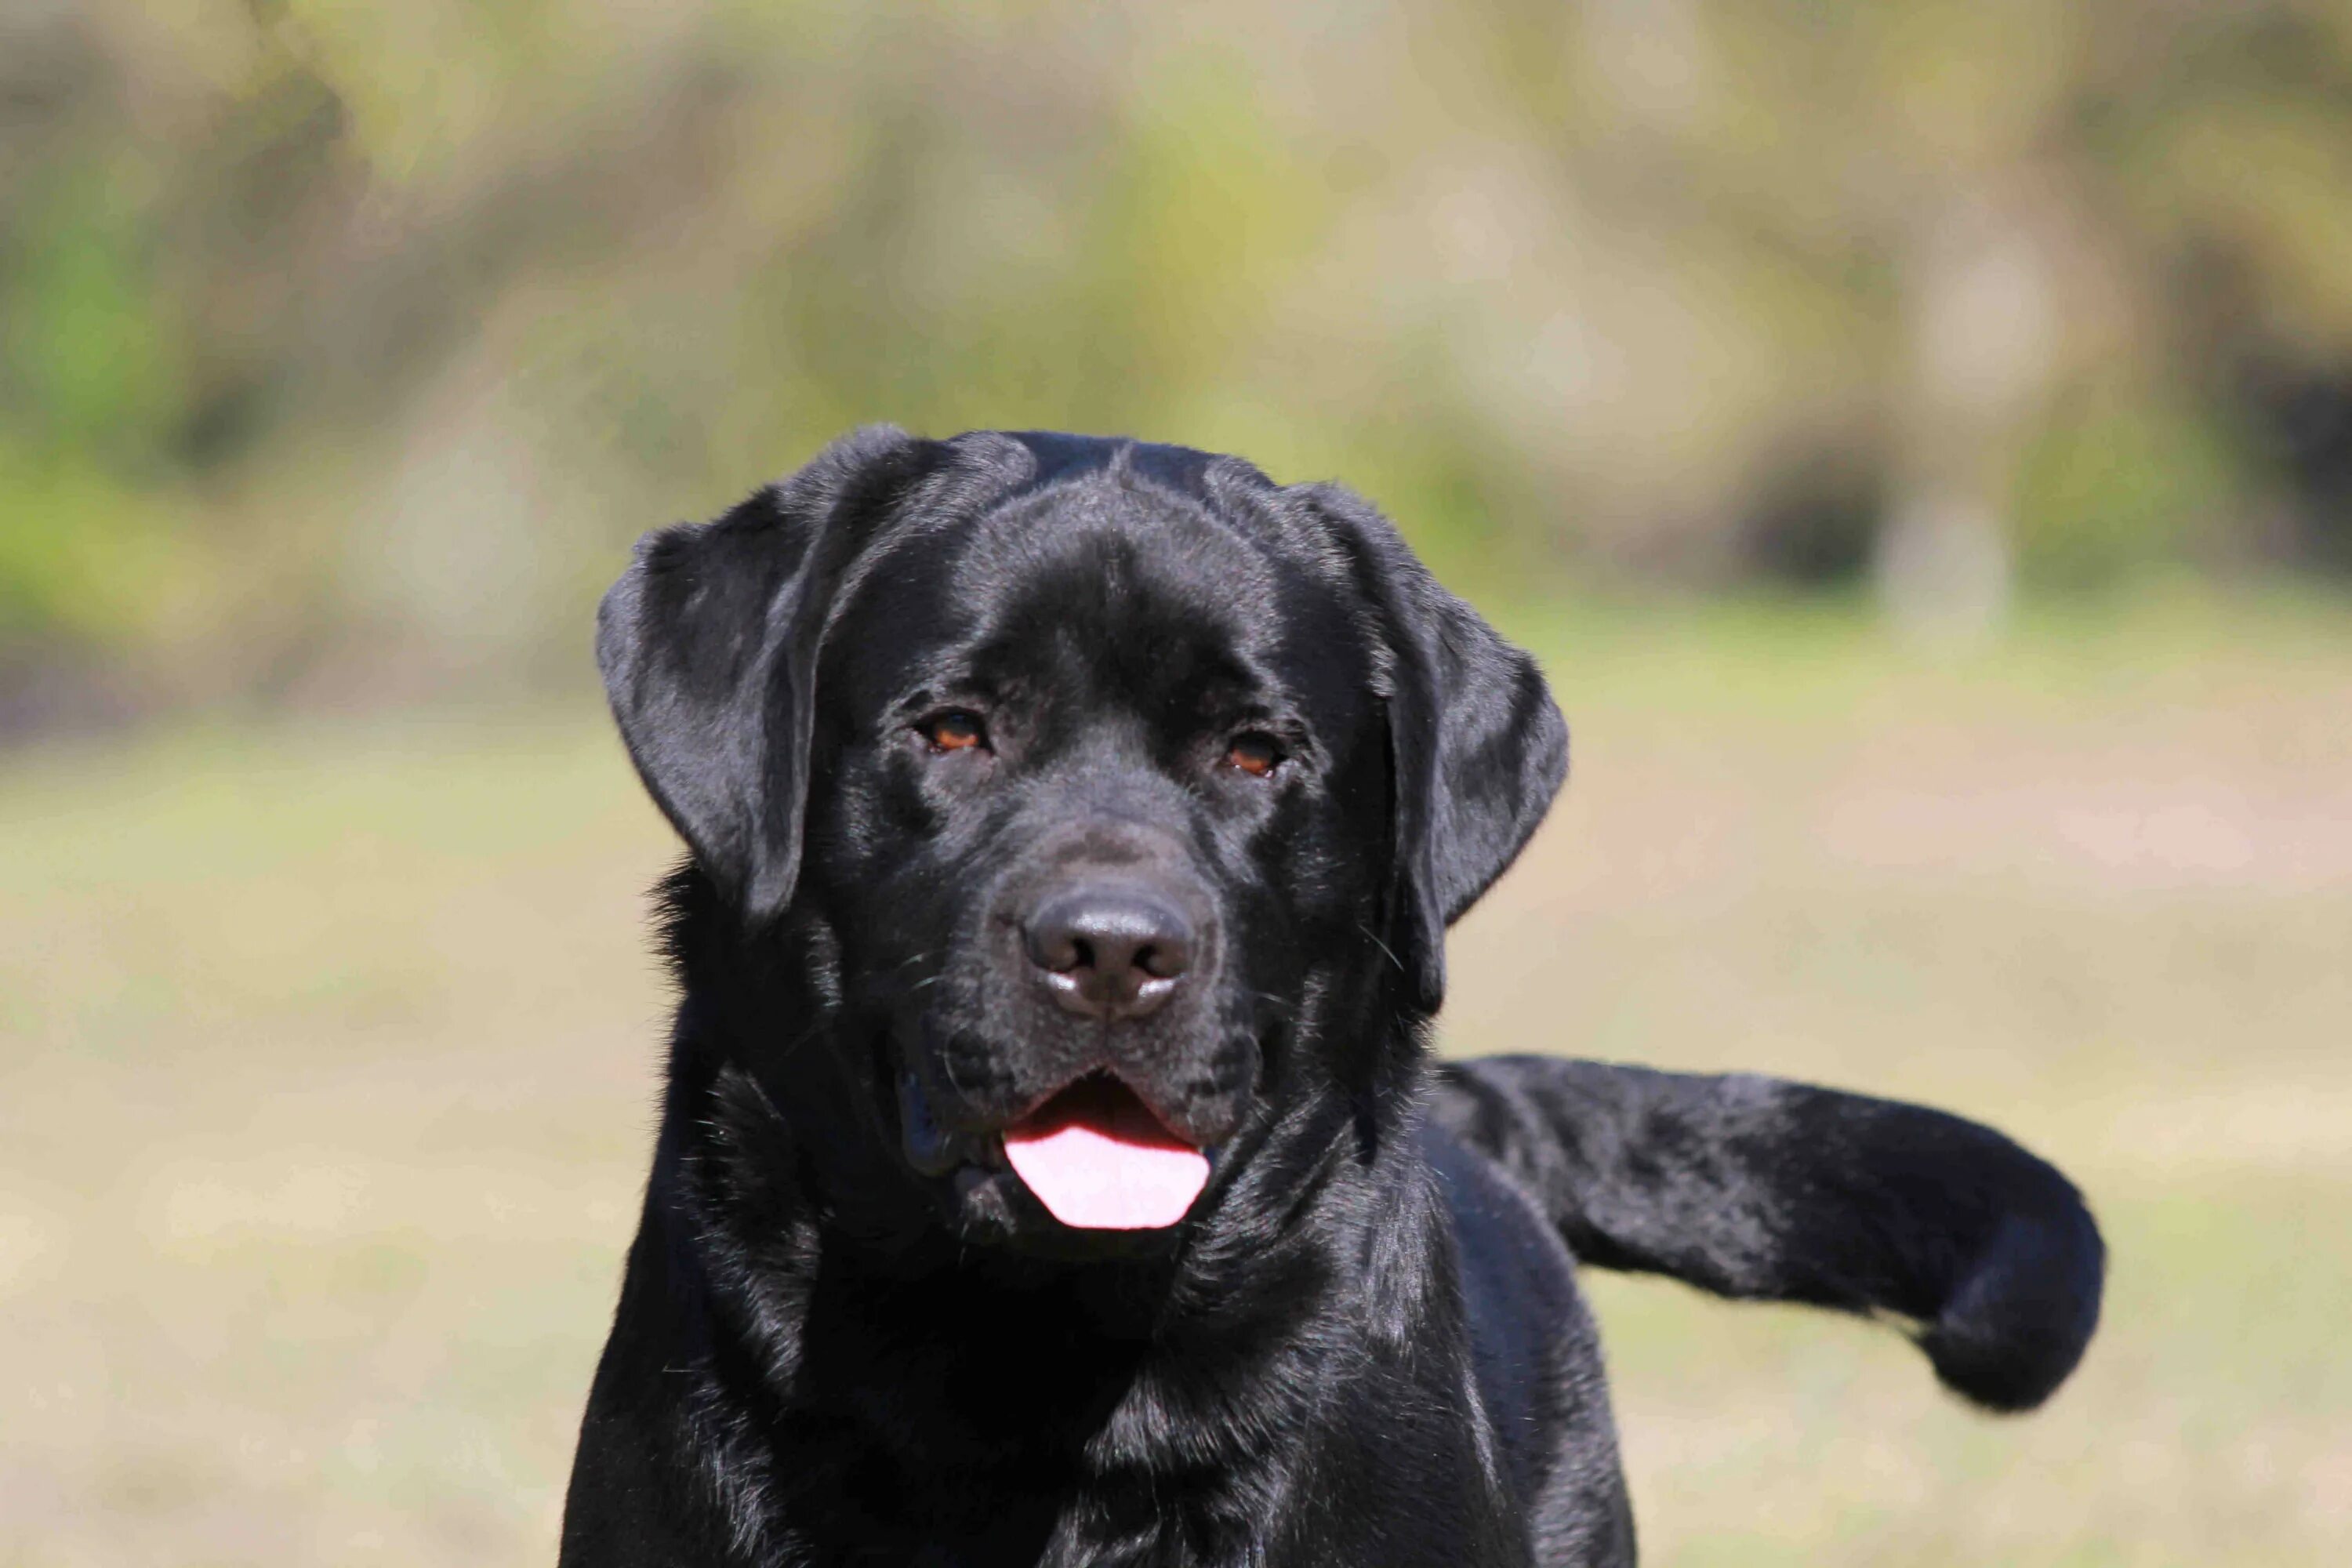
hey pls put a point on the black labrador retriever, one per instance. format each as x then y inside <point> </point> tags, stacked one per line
<point>1053,1169</point>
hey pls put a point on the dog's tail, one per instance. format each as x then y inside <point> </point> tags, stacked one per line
<point>1757,1189</point>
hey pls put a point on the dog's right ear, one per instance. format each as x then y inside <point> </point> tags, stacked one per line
<point>708,645</point>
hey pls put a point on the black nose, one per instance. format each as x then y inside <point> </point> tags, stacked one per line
<point>1109,951</point>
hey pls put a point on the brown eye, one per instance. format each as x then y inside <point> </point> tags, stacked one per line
<point>1255,754</point>
<point>957,729</point>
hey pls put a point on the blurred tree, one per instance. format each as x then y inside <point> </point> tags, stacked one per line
<point>342,347</point>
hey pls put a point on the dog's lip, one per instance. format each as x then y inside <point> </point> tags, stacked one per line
<point>1088,1095</point>
<point>934,1150</point>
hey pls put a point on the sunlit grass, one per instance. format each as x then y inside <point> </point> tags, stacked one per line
<point>327,1058</point>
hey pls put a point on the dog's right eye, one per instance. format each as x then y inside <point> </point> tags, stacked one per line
<point>956,729</point>
<point>1255,754</point>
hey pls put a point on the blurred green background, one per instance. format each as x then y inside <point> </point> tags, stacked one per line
<point>342,347</point>
<point>1916,436</point>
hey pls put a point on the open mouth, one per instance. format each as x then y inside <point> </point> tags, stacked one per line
<point>1097,1158</point>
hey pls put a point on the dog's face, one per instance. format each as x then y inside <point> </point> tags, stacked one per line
<point>1094,780</point>
<point>1118,782</point>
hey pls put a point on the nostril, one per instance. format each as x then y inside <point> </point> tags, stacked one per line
<point>1162,960</point>
<point>1052,945</point>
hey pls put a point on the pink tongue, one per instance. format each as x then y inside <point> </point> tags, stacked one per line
<point>1098,1159</point>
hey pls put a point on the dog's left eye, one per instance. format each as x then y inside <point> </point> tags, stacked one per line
<point>1256,754</point>
<point>957,729</point>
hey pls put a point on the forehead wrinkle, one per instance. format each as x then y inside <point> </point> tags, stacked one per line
<point>1236,538</point>
<point>1139,549</point>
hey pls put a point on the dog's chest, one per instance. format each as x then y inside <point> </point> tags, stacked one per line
<point>849,1507</point>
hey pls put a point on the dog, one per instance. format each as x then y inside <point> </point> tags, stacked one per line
<point>1052,1167</point>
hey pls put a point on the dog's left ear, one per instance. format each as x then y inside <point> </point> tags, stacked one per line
<point>1478,747</point>
<point>708,645</point>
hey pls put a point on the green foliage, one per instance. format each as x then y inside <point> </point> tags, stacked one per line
<point>82,556</point>
<point>306,309</point>
<point>2116,480</point>
<point>88,345</point>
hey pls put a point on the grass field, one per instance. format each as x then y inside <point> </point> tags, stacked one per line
<point>327,1058</point>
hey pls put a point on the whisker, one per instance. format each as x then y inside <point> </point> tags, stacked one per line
<point>1376,942</point>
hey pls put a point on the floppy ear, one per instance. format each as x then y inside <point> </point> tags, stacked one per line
<point>708,645</point>
<point>1478,747</point>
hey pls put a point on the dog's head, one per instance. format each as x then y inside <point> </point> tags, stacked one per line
<point>1115,799</point>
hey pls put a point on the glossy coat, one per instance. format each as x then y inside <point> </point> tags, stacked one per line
<point>848,1333</point>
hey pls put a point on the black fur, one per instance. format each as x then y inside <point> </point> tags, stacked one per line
<point>1761,1190</point>
<point>850,1334</point>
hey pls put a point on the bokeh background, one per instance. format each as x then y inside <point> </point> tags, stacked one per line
<point>1917,436</point>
